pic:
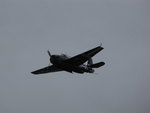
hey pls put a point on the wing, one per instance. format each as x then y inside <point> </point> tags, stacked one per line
<point>82,58</point>
<point>47,69</point>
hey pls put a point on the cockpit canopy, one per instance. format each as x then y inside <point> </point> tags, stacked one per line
<point>64,55</point>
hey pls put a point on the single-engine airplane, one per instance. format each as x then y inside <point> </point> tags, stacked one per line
<point>72,64</point>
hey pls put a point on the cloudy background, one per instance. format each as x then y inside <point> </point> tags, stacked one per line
<point>28,28</point>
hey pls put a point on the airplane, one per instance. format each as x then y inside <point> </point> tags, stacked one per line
<point>72,64</point>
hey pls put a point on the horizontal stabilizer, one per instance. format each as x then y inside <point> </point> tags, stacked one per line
<point>97,65</point>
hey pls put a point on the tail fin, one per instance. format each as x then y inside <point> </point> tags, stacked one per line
<point>97,65</point>
<point>90,62</point>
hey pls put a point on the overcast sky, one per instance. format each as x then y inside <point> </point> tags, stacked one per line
<point>28,28</point>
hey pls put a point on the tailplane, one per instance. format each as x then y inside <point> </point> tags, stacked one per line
<point>97,65</point>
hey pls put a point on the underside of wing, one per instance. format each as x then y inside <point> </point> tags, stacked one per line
<point>47,69</point>
<point>82,58</point>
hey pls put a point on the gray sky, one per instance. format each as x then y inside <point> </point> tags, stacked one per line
<point>28,28</point>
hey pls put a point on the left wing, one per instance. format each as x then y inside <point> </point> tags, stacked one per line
<point>82,58</point>
<point>47,69</point>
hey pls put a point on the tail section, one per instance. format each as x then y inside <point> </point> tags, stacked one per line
<point>97,65</point>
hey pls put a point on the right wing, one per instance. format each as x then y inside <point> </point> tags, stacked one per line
<point>47,69</point>
<point>82,58</point>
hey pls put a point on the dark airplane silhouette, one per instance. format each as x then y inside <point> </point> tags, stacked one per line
<point>73,64</point>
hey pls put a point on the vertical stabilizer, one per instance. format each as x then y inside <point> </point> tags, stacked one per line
<point>90,62</point>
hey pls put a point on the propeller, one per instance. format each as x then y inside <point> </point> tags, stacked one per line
<point>49,53</point>
<point>49,56</point>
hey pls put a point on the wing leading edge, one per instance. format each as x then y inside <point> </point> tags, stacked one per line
<point>47,69</point>
<point>82,58</point>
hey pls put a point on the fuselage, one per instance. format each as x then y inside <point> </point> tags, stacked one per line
<point>59,62</point>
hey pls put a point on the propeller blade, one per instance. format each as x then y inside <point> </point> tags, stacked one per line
<point>49,53</point>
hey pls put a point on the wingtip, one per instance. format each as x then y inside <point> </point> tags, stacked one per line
<point>33,72</point>
<point>101,48</point>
